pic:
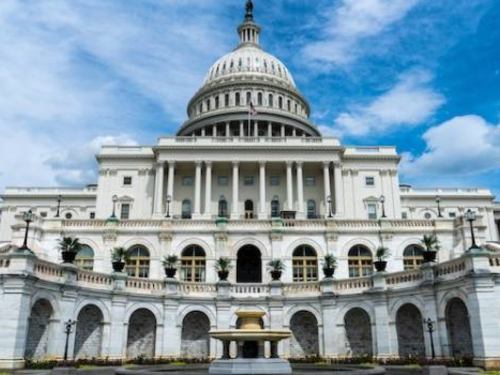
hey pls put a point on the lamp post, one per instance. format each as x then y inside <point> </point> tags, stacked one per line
<point>115,199</point>
<point>27,218</point>
<point>169,199</point>
<point>470,216</point>
<point>382,201</point>
<point>69,324</point>
<point>329,202</point>
<point>438,202</point>
<point>58,212</point>
<point>431,328</point>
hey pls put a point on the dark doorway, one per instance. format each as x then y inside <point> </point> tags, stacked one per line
<point>250,349</point>
<point>249,265</point>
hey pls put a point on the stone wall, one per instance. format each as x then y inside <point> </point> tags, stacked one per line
<point>358,333</point>
<point>141,334</point>
<point>304,341</point>
<point>195,341</point>
<point>88,336</point>
<point>409,326</point>
<point>458,325</point>
<point>38,331</point>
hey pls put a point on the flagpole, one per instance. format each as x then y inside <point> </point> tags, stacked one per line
<point>249,114</point>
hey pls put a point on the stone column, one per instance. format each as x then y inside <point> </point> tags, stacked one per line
<point>256,129</point>
<point>197,191</point>
<point>160,170</point>
<point>208,189</point>
<point>262,190</point>
<point>170,186</point>
<point>269,129</point>
<point>117,344</point>
<point>214,131</point>
<point>283,131</point>
<point>234,207</point>
<point>228,129</point>
<point>339,190</point>
<point>300,191</point>
<point>289,186</point>
<point>242,129</point>
<point>328,192</point>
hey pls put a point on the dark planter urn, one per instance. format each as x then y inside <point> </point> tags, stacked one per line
<point>276,275</point>
<point>380,265</point>
<point>118,266</point>
<point>223,275</point>
<point>170,272</point>
<point>328,271</point>
<point>68,256</point>
<point>429,256</point>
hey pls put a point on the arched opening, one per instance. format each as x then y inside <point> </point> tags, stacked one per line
<point>259,99</point>
<point>193,264</point>
<point>280,102</point>
<point>237,99</point>
<point>249,214</point>
<point>358,332</point>
<point>249,98</point>
<point>458,325</point>
<point>85,258</point>
<point>305,264</point>
<point>413,257</point>
<point>311,209</point>
<point>186,209</point>
<point>271,100</point>
<point>195,341</point>
<point>223,210</point>
<point>409,327</point>
<point>275,207</point>
<point>360,261</point>
<point>38,330</point>
<point>249,265</point>
<point>88,334</point>
<point>304,341</point>
<point>138,262</point>
<point>141,335</point>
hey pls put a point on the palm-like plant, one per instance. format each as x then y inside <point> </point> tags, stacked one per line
<point>170,261</point>
<point>223,265</point>
<point>119,254</point>
<point>330,261</point>
<point>382,253</point>
<point>276,265</point>
<point>70,245</point>
<point>431,243</point>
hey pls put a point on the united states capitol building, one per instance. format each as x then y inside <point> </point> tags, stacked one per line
<point>249,177</point>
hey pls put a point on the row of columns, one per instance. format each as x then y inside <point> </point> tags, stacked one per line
<point>159,201</point>
<point>251,129</point>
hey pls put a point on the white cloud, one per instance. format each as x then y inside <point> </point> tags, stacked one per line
<point>409,103</point>
<point>464,145</point>
<point>351,22</point>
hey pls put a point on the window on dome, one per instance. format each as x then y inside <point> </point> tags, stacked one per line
<point>232,64</point>
<point>289,106</point>
<point>275,207</point>
<point>360,261</point>
<point>296,108</point>
<point>226,100</point>
<point>193,264</point>
<point>224,66</point>
<point>311,209</point>
<point>305,264</point>
<point>259,98</point>
<point>280,102</point>
<point>240,63</point>
<point>271,100</point>
<point>200,109</point>
<point>249,98</point>
<point>412,257</point>
<point>186,209</point>
<point>208,105</point>
<point>237,98</point>
<point>217,102</point>
<point>85,258</point>
<point>138,262</point>
<point>265,65</point>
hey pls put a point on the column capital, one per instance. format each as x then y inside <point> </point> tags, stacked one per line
<point>262,163</point>
<point>171,164</point>
<point>208,164</point>
<point>326,164</point>
<point>160,164</point>
<point>289,164</point>
<point>236,163</point>
<point>198,163</point>
<point>299,164</point>
<point>337,164</point>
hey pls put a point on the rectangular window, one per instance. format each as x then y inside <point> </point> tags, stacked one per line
<point>188,181</point>
<point>404,215</point>
<point>452,215</point>
<point>92,215</point>
<point>372,211</point>
<point>310,181</point>
<point>125,211</point>
<point>127,180</point>
<point>43,214</point>
<point>223,181</point>
<point>370,181</point>
<point>275,181</point>
<point>249,180</point>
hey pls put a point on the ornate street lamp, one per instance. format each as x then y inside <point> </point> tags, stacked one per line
<point>69,324</point>
<point>58,205</point>
<point>470,216</point>
<point>431,328</point>
<point>382,202</point>
<point>169,200</point>
<point>438,202</point>
<point>115,200</point>
<point>27,218</point>
<point>329,202</point>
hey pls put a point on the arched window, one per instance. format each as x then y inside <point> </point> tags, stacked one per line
<point>275,207</point>
<point>413,257</point>
<point>217,102</point>
<point>280,102</point>
<point>208,105</point>
<point>271,100</point>
<point>223,212</point>
<point>85,258</point>
<point>259,98</point>
<point>226,100</point>
<point>360,261</point>
<point>237,99</point>
<point>138,262</point>
<point>249,98</point>
<point>289,106</point>
<point>311,209</point>
<point>186,209</point>
<point>249,209</point>
<point>193,264</point>
<point>201,108</point>
<point>305,264</point>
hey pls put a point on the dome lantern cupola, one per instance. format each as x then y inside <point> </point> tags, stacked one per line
<point>249,31</point>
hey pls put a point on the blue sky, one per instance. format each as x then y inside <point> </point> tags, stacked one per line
<point>423,75</point>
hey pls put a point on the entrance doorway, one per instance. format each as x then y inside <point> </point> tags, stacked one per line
<point>249,265</point>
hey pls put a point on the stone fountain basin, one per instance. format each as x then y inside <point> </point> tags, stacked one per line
<point>251,335</point>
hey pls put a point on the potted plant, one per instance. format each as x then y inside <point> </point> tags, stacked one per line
<point>276,268</point>
<point>223,266</point>
<point>382,254</point>
<point>329,265</point>
<point>69,247</point>
<point>170,263</point>
<point>119,257</point>
<point>431,247</point>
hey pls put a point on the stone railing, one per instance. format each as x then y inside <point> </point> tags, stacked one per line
<point>302,289</point>
<point>48,271</point>
<point>249,290</point>
<point>404,279</point>
<point>94,279</point>
<point>197,289</point>
<point>140,285</point>
<point>451,269</point>
<point>354,285</point>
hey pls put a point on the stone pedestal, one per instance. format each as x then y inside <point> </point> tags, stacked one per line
<point>244,366</point>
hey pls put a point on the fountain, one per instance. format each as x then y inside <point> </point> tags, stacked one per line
<point>250,339</point>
